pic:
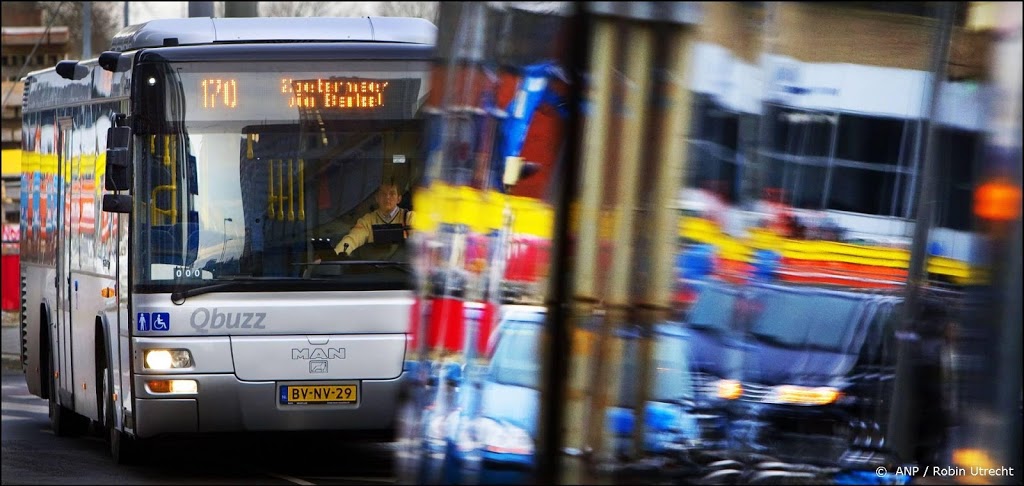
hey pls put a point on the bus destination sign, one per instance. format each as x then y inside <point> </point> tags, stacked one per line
<point>333,94</point>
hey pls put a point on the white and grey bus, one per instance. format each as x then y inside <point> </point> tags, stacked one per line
<point>178,193</point>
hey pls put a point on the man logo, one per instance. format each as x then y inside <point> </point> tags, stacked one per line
<point>318,353</point>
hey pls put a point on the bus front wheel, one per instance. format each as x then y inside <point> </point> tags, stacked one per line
<point>124,449</point>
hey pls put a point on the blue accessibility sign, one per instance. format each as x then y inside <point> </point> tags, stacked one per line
<point>155,321</point>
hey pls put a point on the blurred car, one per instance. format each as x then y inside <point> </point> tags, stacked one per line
<point>715,357</point>
<point>490,437</point>
<point>801,374</point>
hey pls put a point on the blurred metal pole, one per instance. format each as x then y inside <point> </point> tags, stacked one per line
<point>1008,394</point>
<point>558,345</point>
<point>127,20</point>
<point>241,9</point>
<point>901,433</point>
<point>86,30</point>
<point>671,121</point>
<point>599,91</point>
<point>1005,137</point>
<point>633,144</point>
<point>201,9</point>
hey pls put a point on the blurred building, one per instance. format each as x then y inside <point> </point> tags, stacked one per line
<point>27,45</point>
<point>844,87</point>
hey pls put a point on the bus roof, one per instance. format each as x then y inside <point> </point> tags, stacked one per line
<point>205,30</point>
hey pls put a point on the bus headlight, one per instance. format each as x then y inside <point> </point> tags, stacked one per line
<point>165,359</point>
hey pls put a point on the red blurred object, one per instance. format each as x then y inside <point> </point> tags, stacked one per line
<point>10,276</point>
<point>414,328</point>
<point>525,259</point>
<point>445,327</point>
<point>446,323</point>
<point>485,312</point>
<point>10,266</point>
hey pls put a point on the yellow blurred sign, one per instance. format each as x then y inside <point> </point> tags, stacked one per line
<point>11,162</point>
<point>480,210</point>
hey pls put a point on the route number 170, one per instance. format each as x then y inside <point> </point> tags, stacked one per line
<point>220,93</point>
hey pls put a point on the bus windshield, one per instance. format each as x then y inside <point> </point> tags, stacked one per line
<point>259,169</point>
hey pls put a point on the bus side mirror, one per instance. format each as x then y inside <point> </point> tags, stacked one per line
<point>118,176</point>
<point>117,203</point>
<point>114,62</point>
<point>72,70</point>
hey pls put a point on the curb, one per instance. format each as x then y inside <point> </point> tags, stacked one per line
<point>11,362</point>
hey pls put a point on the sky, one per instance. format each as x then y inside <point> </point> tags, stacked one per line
<point>145,11</point>
<point>139,12</point>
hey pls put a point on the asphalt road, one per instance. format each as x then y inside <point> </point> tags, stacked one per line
<point>33,455</point>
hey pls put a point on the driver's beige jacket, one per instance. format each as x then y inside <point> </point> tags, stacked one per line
<point>362,232</point>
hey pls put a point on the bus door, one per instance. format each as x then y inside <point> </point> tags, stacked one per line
<point>62,352</point>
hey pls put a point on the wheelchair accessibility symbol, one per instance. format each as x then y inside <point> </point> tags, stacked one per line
<point>156,321</point>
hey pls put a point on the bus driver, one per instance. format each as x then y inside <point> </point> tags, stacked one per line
<point>387,213</point>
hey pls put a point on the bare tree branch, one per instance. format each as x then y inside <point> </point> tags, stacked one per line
<point>106,21</point>
<point>423,10</point>
<point>310,9</point>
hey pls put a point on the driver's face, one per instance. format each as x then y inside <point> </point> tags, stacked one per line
<point>388,198</point>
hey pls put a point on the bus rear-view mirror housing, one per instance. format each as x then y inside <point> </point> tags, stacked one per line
<point>72,70</point>
<point>114,62</point>
<point>118,175</point>
<point>117,203</point>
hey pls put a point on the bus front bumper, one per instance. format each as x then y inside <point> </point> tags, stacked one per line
<point>223,403</point>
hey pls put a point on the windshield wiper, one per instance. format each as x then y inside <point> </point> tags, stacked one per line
<point>403,266</point>
<point>178,296</point>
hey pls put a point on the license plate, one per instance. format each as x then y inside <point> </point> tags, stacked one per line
<point>309,394</point>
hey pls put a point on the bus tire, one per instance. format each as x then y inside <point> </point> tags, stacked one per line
<point>104,398</point>
<point>45,361</point>
<point>101,389</point>
<point>63,421</point>
<point>124,449</point>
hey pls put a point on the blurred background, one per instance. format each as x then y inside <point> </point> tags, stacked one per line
<point>731,242</point>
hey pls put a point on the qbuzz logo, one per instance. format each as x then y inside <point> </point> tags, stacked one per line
<point>153,321</point>
<point>204,320</point>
